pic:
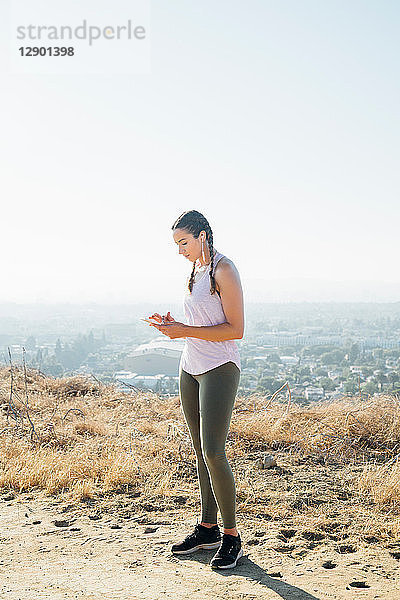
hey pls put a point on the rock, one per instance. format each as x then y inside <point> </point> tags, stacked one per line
<point>61,523</point>
<point>265,462</point>
<point>328,564</point>
<point>359,584</point>
<point>150,529</point>
<point>253,542</point>
<point>179,499</point>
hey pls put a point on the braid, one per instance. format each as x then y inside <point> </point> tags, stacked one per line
<point>211,249</point>
<point>191,280</point>
<point>194,222</point>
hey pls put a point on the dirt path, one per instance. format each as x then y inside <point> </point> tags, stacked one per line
<point>101,555</point>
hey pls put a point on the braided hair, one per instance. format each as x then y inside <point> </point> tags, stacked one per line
<point>194,222</point>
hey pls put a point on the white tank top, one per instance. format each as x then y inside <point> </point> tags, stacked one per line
<point>203,308</point>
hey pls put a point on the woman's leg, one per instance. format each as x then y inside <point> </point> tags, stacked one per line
<point>217,393</point>
<point>189,395</point>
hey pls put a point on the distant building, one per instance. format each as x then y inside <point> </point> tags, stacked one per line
<point>297,390</point>
<point>286,338</point>
<point>160,356</point>
<point>289,360</point>
<point>125,377</point>
<point>151,382</point>
<point>333,374</point>
<point>158,383</point>
<point>314,393</point>
<point>311,330</point>
<point>378,342</point>
<point>260,360</point>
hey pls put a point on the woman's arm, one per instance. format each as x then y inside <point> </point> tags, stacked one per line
<point>212,333</point>
<point>228,283</point>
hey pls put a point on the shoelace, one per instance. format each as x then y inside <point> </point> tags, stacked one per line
<point>194,534</point>
<point>226,546</point>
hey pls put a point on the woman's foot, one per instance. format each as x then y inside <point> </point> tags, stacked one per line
<point>202,538</point>
<point>228,553</point>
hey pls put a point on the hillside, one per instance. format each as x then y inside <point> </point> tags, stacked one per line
<point>96,484</point>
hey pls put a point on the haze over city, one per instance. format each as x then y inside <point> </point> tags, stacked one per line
<point>278,121</point>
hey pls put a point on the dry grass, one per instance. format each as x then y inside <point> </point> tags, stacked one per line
<point>84,439</point>
<point>343,428</point>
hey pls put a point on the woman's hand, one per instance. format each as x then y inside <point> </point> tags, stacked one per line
<point>168,326</point>
<point>172,329</point>
<point>157,317</point>
<point>162,319</point>
<point>168,319</point>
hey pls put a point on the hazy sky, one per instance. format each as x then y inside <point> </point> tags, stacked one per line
<point>278,120</point>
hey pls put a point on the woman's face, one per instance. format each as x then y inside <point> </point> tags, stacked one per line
<point>189,246</point>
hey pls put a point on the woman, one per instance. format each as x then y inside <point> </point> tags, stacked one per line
<point>209,374</point>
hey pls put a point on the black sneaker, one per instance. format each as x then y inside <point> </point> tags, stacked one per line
<point>229,552</point>
<point>206,538</point>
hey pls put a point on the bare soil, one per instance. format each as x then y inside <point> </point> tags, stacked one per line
<point>330,543</point>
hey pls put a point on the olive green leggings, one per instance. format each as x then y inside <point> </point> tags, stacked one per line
<point>207,402</point>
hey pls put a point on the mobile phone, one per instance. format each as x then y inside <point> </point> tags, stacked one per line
<point>151,321</point>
